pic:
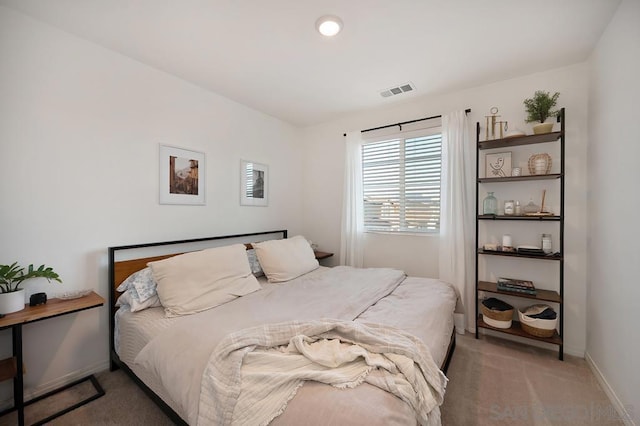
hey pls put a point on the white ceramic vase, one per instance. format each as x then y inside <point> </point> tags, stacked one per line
<point>12,302</point>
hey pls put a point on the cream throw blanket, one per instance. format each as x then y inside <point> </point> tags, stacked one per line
<point>255,372</point>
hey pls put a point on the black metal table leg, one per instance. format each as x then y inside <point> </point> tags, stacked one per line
<point>18,386</point>
<point>18,380</point>
<point>99,392</point>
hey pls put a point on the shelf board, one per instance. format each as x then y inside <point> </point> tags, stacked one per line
<point>516,330</point>
<point>520,140</point>
<point>502,217</point>
<point>542,295</point>
<point>554,256</point>
<point>550,176</point>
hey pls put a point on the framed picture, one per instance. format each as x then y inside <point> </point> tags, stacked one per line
<point>498,165</point>
<point>182,176</point>
<point>254,184</point>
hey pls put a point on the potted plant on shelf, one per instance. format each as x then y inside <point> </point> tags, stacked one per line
<point>539,108</point>
<point>11,276</point>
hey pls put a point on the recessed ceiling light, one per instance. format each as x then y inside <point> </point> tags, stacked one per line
<point>329,25</point>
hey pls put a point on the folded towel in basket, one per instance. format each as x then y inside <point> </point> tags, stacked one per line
<point>540,312</point>
<point>496,304</point>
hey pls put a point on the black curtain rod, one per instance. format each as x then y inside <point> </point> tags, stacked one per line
<point>467,111</point>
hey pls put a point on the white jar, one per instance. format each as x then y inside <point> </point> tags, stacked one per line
<point>546,243</point>
<point>509,208</point>
<point>507,243</point>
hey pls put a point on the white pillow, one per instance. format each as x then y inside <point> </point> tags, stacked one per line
<point>197,281</point>
<point>284,260</point>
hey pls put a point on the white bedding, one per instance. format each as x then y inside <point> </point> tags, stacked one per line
<point>420,306</point>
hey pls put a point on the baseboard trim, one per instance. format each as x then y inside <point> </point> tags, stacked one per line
<point>42,389</point>
<point>568,350</point>
<point>574,351</point>
<point>625,416</point>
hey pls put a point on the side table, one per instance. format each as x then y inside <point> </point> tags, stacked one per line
<point>322,254</point>
<point>13,367</point>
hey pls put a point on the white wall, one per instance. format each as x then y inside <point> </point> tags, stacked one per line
<point>614,203</point>
<point>80,128</point>
<point>419,255</point>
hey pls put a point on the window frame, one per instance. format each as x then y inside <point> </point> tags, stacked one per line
<point>402,136</point>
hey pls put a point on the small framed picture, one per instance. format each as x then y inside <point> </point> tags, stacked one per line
<point>181,176</point>
<point>498,165</point>
<point>254,184</point>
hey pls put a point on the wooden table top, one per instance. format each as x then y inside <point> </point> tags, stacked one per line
<point>53,308</point>
<point>322,254</point>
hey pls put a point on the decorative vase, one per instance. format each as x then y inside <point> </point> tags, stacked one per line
<point>531,207</point>
<point>541,128</point>
<point>12,301</point>
<point>540,164</point>
<point>490,204</point>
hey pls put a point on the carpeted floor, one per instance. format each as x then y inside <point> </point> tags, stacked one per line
<point>492,382</point>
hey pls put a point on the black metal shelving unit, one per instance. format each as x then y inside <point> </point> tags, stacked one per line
<point>552,296</point>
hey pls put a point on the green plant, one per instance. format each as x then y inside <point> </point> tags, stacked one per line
<point>11,276</point>
<point>539,108</point>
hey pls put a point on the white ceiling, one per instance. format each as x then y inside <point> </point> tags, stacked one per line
<point>266,53</point>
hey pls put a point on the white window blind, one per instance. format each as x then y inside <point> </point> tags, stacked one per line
<point>401,184</point>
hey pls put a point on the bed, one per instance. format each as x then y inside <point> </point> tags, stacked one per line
<point>196,363</point>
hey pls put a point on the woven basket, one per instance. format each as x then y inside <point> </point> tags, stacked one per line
<point>527,326</point>
<point>538,332</point>
<point>539,157</point>
<point>497,315</point>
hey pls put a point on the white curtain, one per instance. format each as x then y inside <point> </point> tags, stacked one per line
<point>351,244</point>
<point>457,232</point>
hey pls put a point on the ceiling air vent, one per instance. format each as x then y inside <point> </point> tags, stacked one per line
<point>403,88</point>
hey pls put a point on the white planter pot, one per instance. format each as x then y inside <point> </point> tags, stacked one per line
<point>541,128</point>
<point>12,302</point>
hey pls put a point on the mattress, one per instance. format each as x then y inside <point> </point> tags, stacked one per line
<point>420,306</point>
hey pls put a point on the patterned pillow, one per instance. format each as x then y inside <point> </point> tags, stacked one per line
<point>131,299</point>
<point>143,284</point>
<point>256,269</point>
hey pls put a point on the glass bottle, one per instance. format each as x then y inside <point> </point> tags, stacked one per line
<point>531,207</point>
<point>490,204</point>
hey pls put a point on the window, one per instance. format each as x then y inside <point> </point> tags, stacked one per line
<point>401,184</point>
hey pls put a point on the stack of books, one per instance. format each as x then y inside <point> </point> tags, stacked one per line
<point>516,286</point>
